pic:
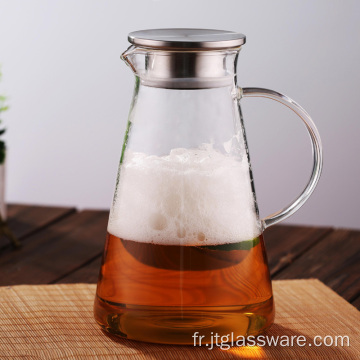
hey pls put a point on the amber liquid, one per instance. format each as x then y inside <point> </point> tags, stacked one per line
<point>164,293</point>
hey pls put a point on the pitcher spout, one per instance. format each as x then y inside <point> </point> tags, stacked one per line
<point>129,57</point>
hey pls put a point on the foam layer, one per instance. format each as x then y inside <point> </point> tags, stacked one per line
<point>189,197</point>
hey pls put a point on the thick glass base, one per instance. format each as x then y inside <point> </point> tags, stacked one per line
<point>177,325</point>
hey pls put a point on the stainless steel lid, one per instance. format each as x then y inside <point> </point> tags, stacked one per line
<point>191,39</point>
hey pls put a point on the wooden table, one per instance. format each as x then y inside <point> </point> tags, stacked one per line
<point>63,245</point>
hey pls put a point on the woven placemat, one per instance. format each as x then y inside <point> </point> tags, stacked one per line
<point>56,322</point>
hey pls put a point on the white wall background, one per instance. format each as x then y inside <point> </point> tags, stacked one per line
<point>70,95</point>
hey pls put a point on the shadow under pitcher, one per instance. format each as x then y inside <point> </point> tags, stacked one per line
<point>184,251</point>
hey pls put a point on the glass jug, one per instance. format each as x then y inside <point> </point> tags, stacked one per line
<point>184,256</point>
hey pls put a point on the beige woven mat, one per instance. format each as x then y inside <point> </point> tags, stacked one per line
<point>56,322</point>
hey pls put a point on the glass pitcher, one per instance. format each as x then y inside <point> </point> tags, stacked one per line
<point>184,257</point>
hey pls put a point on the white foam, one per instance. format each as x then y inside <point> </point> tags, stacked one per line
<point>189,197</point>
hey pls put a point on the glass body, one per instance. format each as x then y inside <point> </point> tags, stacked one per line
<point>184,255</point>
<point>184,250</point>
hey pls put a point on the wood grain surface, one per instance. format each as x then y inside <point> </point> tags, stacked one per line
<point>61,245</point>
<point>55,250</point>
<point>334,260</point>
<point>25,220</point>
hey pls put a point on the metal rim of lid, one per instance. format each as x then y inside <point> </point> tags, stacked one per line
<point>186,39</point>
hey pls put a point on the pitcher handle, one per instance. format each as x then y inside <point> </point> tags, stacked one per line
<point>316,150</point>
